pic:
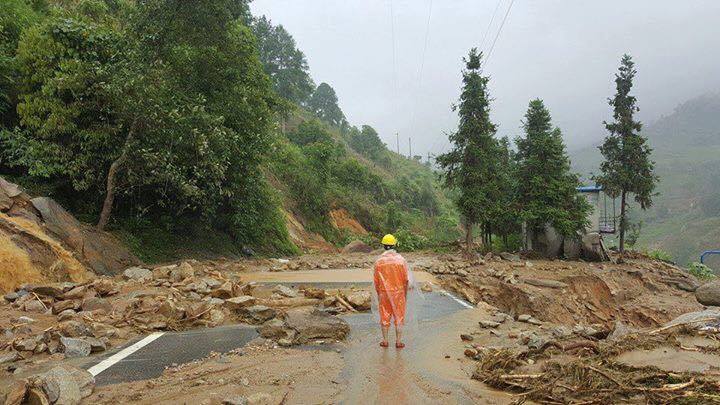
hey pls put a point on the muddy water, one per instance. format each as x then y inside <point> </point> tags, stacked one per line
<point>430,370</point>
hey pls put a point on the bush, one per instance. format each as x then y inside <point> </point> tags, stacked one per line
<point>701,271</point>
<point>660,255</point>
<point>410,241</point>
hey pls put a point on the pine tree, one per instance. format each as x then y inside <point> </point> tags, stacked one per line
<point>472,166</point>
<point>546,187</point>
<point>627,167</point>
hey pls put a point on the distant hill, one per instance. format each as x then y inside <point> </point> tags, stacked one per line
<point>685,219</point>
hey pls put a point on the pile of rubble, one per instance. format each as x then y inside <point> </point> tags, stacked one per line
<point>579,367</point>
<point>61,385</point>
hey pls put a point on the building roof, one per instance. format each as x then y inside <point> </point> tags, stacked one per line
<point>589,189</point>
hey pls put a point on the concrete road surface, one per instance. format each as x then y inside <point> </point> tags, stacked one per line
<point>148,357</point>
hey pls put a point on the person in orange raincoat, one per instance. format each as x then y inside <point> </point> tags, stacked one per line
<point>392,280</point>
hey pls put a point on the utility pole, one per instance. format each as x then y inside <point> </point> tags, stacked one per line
<point>410,147</point>
<point>397,136</point>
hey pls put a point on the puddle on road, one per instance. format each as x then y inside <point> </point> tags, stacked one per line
<point>672,359</point>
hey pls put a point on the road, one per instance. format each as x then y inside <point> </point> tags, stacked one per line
<point>426,371</point>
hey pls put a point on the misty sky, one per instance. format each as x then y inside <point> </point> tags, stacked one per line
<point>564,52</point>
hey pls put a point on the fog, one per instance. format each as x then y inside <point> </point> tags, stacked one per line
<point>564,52</point>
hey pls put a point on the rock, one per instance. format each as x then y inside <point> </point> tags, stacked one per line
<point>25,319</point>
<point>198,286</point>
<point>11,297</point>
<point>95,303</point>
<point>285,291</point>
<point>236,400</point>
<point>697,319</point>
<point>534,321</point>
<point>181,272</point>
<point>524,317</point>
<point>66,315</point>
<point>357,246</point>
<point>28,344</point>
<point>257,314</point>
<point>621,330</point>
<point>224,291</point>
<point>584,330</point>
<point>545,283</point>
<point>466,338</point>
<point>103,252</point>
<point>316,324</point>
<point>163,271</point>
<point>17,392</point>
<point>105,287</point>
<point>37,396</point>
<point>562,332</point>
<point>96,345</point>
<point>534,341</point>
<point>217,317</point>
<point>75,347</point>
<point>9,357</point>
<point>76,293</point>
<point>501,317</point>
<point>243,289</point>
<point>360,300</point>
<point>426,287</point>
<point>34,306</point>
<point>49,290</point>
<point>709,293</point>
<point>138,274</point>
<point>63,305</point>
<point>239,303</point>
<point>66,385</point>
<point>74,329</point>
<point>211,283</point>
<point>489,324</point>
<point>275,329</point>
<point>169,310</point>
<point>316,293</point>
<point>471,353</point>
<point>510,257</point>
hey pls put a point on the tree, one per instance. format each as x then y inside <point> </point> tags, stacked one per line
<point>547,190</point>
<point>283,61</point>
<point>366,142</point>
<point>505,221</point>
<point>472,166</point>
<point>324,104</point>
<point>627,168</point>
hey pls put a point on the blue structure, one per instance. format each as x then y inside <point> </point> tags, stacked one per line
<point>708,253</point>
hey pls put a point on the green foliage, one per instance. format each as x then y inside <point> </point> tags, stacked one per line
<point>661,255</point>
<point>701,271</point>
<point>367,143</point>
<point>308,132</point>
<point>473,165</point>
<point>283,61</point>
<point>546,187</point>
<point>627,168</point>
<point>410,241</point>
<point>324,104</point>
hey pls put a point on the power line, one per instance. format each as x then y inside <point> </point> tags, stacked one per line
<point>492,19</point>
<point>502,24</point>
<point>422,67</point>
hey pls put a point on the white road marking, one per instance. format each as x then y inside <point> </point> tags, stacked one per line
<point>115,358</point>
<point>456,299</point>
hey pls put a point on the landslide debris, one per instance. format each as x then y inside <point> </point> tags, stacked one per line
<point>41,242</point>
<point>640,292</point>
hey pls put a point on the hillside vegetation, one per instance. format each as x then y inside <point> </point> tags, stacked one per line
<point>196,132</point>
<point>685,219</point>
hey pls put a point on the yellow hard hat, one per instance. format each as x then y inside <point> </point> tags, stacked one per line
<point>389,240</point>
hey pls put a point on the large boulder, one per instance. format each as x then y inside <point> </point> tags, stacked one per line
<point>101,251</point>
<point>357,246</point>
<point>315,325</point>
<point>360,300</point>
<point>257,314</point>
<point>709,293</point>
<point>138,274</point>
<point>66,385</point>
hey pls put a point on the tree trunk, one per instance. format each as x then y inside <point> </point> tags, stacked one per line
<point>622,222</point>
<point>468,237</point>
<point>111,182</point>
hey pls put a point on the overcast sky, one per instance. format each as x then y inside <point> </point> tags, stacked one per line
<point>564,52</point>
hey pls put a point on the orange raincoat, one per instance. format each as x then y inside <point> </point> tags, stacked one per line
<point>391,279</point>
